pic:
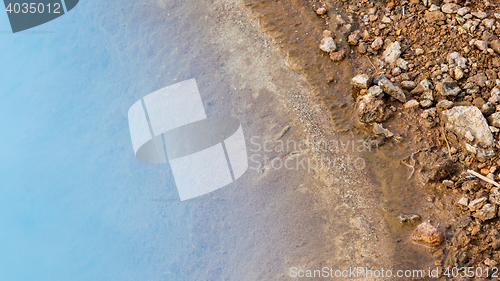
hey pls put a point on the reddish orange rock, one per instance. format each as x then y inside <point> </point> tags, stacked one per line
<point>485,171</point>
<point>427,234</point>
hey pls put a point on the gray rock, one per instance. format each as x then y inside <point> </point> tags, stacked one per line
<point>378,78</point>
<point>327,45</point>
<point>392,52</point>
<point>375,91</point>
<point>362,81</point>
<point>461,119</point>
<point>479,79</point>
<point>471,88</point>
<point>419,51</point>
<point>478,203</point>
<point>445,104</point>
<point>392,90</point>
<point>488,23</point>
<point>448,88</point>
<point>450,8</point>
<point>408,85</point>
<point>487,212</point>
<point>426,103</point>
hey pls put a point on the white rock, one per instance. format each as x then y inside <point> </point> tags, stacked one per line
<point>391,54</point>
<point>433,8</point>
<point>419,51</point>
<point>469,136</point>
<point>462,11</point>
<point>386,20</point>
<point>361,81</point>
<point>401,63</point>
<point>464,201</point>
<point>479,14</point>
<point>327,45</point>
<point>488,23</point>
<point>461,119</point>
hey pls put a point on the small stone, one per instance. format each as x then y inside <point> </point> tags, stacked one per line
<point>444,104</point>
<point>495,119</point>
<point>408,85</point>
<point>479,14</point>
<point>396,71</point>
<point>411,104</point>
<point>495,196</point>
<point>477,204</point>
<point>327,33</point>
<point>458,73</point>
<point>434,17</point>
<point>392,90</point>
<point>337,56</point>
<point>450,8</point>
<point>353,39</point>
<point>379,130</point>
<point>378,43</point>
<point>479,79</point>
<point>463,11</point>
<point>419,51</point>
<point>469,136</point>
<point>327,45</point>
<point>427,234</point>
<point>448,183</point>
<point>375,91</point>
<point>481,45</point>
<point>426,103</point>
<point>321,11</point>
<point>484,171</point>
<point>463,202</point>
<point>488,23</point>
<point>448,88</point>
<point>371,109</point>
<point>386,20</point>
<point>487,212</point>
<point>362,81</point>
<point>373,18</point>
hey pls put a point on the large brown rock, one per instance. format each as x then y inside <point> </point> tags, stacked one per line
<point>427,234</point>
<point>434,16</point>
<point>372,109</point>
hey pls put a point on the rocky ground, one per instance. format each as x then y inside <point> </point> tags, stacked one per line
<point>429,71</point>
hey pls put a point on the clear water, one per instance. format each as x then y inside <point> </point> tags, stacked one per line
<point>74,202</point>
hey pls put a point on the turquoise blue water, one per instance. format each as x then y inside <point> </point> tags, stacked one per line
<point>75,204</point>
